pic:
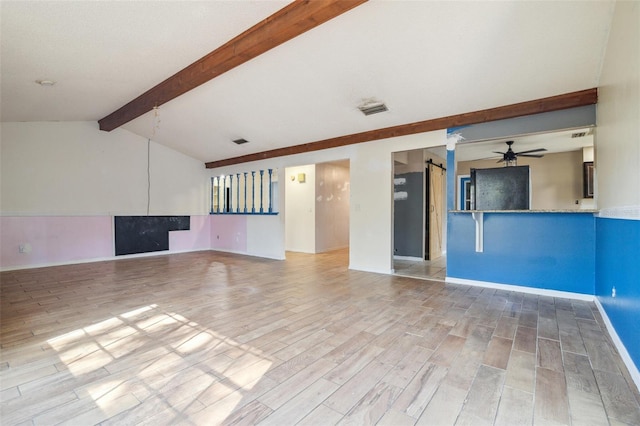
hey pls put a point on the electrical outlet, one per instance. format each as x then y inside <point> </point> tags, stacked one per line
<point>613,292</point>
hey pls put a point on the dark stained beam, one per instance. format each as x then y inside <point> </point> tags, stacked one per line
<point>284,25</point>
<point>553,103</point>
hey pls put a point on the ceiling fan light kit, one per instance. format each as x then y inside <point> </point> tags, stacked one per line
<point>510,158</point>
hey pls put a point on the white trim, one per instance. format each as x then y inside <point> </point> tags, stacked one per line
<point>373,271</point>
<point>452,140</point>
<point>461,192</point>
<point>622,350</point>
<point>99,259</point>
<point>46,265</point>
<point>263,256</point>
<point>478,217</point>
<point>417,277</point>
<point>627,212</point>
<point>244,253</point>
<point>522,289</point>
<point>412,258</point>
<point>326,250</point>
<point>229,251</point>
<point>94,214</point>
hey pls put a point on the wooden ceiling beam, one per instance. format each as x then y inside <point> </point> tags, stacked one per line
<point>289,22</point>
<point>553,103</point>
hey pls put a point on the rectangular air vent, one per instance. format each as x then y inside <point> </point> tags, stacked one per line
<point>375,108</point>
<point>578,135</point>
<point>240,141</point>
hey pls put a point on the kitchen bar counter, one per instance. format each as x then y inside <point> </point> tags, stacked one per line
<point>527,211</point>
<point>545,249</point>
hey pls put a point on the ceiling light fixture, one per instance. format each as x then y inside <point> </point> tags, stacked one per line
<point>47,83</point>
<point>371,106</point>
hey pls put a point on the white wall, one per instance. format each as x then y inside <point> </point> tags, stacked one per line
<point>371,172</point>
<point>617,162</point>
<point>73,168</point>
<point>61,183</point>
<point>264,236</point>
<point>332,207</point>
<point>300,208</point>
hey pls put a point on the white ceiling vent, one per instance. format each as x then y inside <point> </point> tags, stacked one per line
<point>372,107</point>
<point>581,133</point>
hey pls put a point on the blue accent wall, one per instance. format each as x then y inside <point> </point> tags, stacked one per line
<point>554,251</point>
<point>618,265</point>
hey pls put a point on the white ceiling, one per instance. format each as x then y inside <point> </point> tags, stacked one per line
<point>425,59</point>
<point>553,142</point>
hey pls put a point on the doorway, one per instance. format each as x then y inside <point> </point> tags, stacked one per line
<point>317,207</point>
<point>419,214</point>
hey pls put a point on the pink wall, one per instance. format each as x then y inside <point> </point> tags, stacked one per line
<point>54,239</point>
<point>70,239</point>
<point>229,233</point>
<point>196,238</point>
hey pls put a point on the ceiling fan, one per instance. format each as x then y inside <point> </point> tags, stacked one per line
<point>510,157</point>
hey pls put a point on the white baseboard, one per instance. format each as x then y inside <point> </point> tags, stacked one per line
<point>230,251</point>
<point>130,256</point>
<point>266,256</point>
<point>99,259</point>
<point>522,289</point>
<point>46,265</point>
<point>244,253</point>
<point>328,249</point>
<point>416,277</point>
<point>412,258</point>
<point>622,350</point>
<point>371,270</point>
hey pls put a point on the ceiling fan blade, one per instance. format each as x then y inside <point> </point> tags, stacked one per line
<point>531,150</point>
<point>500,160</point>
<point>531,155</point>
<point>498,152</point>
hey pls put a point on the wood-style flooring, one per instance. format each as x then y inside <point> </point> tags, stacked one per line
<point>211,338</point>
<point>435,270</point>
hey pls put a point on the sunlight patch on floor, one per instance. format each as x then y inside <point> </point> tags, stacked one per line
<point>160,342</point>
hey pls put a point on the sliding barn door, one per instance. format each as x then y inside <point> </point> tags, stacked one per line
<point>435,209</point>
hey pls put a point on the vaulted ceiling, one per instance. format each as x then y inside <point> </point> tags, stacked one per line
<point>424,59</point>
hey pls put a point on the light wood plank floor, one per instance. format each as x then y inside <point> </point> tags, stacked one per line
<point>435,270</point>
<point>212,338</point>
